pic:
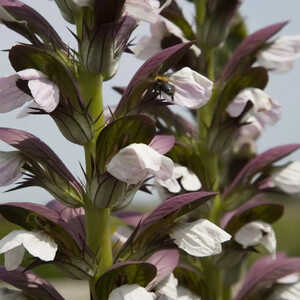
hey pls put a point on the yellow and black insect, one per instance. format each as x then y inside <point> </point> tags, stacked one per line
<point>162,85</point>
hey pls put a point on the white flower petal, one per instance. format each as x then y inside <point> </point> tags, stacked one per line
<point>185,294</point>
<point>143,10</point>
<point>288,179</point>
<point>12,240</point>
<point>265,109</point>
<point>289,279</point>
<point>148,46</point>
<point>40,245</point>
<point>11,96</point>
<point>287,292</point>
<point>131,292</point>
<point>200,238</point>
<point>172,185</point>
<point>31,74</point>
<point>11,164</point>
<point>168,287</point>
<point>45,93</point>
<point>192,90</point>
<point>257,232</point>
<point>13,258</point>
<point>135,162</point>
<point>281,54</point>
<point>190,182</point>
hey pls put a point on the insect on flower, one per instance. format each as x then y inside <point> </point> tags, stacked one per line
<point>162,85</point>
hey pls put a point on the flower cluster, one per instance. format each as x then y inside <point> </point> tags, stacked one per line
<point>215,210</point>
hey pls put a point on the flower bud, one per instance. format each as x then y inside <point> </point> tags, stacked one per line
<point>76,127</point>
<point>101,47</point>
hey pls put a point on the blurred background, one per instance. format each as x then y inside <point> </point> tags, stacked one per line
<point>285,88</point>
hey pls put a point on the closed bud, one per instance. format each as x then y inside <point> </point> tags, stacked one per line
<point>101,48</point>
<point>75,126</point>
<point>107,191</point>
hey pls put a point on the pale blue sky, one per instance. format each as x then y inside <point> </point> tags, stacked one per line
<point>284,88</point>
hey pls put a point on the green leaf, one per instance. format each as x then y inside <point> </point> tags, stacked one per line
<point>120,133</point>
<point>130,272</point>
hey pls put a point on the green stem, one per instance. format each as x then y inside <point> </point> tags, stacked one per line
<point>91,89</point>
<point>227,295</point>
<point>200,6</point>
<point>210,61</point>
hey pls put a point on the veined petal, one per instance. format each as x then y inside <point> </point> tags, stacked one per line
<point>168,287</point>
<point>135,162</point>
<point>192,90</point>
<point>265,109</point>
<point>281,54</point>
<point>144,10</point>
<point>288,179</point>
<point>255,233</point>
<point>13,258</point>
<point>40,245</point>
<point>31,74</point>
<point>11,96</point>
<point>12,240</point>
<point>45,93</point>
<point>185,294</point>
<point>11,164</point>
<point>131,292</point>
<point>200,238</point>
<point>286,292</point>
<point>189,181</point>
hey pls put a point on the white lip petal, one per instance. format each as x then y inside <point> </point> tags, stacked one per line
<point>288,179</point>
<point>172,185</point>
<point>185,294</point>
<point>143,10</point>
<point>190,182</point>
<point>257,232</point>
<point>31,74</point>
<point>265,110</point>
<point>13,258</point>
<point>281,54</point>
<point>40,245</point>
<point>12,240</point>
<point>136,162</point>
<point>192,90</point>
<point>200,238</point>
<point>168,287</point>
<point>11,164</point>
<point>131,292</point>
<point>45,93</point>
